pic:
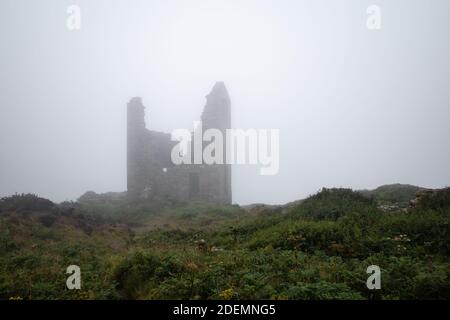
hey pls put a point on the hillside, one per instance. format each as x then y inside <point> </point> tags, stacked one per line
<point>393,194</point>
<point>318,248</point>
<point>39,240</point>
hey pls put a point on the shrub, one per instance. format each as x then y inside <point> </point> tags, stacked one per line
<point>25,202</point>
<point>332,204</point>
<point>47,220</point>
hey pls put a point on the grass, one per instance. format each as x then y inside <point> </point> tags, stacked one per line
<point>319,248</point>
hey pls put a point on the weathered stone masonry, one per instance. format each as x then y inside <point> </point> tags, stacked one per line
<point>150,171</point>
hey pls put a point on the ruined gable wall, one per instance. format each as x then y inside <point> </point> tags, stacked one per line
<point>148,153</point>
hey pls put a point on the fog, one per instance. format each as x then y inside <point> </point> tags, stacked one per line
<point>355,107</point>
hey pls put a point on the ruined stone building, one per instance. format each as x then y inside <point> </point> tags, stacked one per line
<point>150,170</point>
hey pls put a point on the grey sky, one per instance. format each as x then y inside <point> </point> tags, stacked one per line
<point>355,108</point>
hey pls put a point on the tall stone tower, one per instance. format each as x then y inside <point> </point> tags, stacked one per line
<point>136,133</point>
<point>217,115</point>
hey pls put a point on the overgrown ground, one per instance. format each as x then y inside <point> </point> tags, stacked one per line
<point>318,248</point>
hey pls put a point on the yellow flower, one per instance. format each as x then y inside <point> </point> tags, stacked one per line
<point>227,294</point>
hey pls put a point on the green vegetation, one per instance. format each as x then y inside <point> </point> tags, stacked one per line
<point>316,249</point>
<point>399,194</point>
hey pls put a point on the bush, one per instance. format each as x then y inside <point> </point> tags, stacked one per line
<point>47,220</point>
<point>332,204</point>
<point>25,202</point>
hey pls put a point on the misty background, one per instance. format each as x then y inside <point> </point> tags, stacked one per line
<point>355,107</point>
